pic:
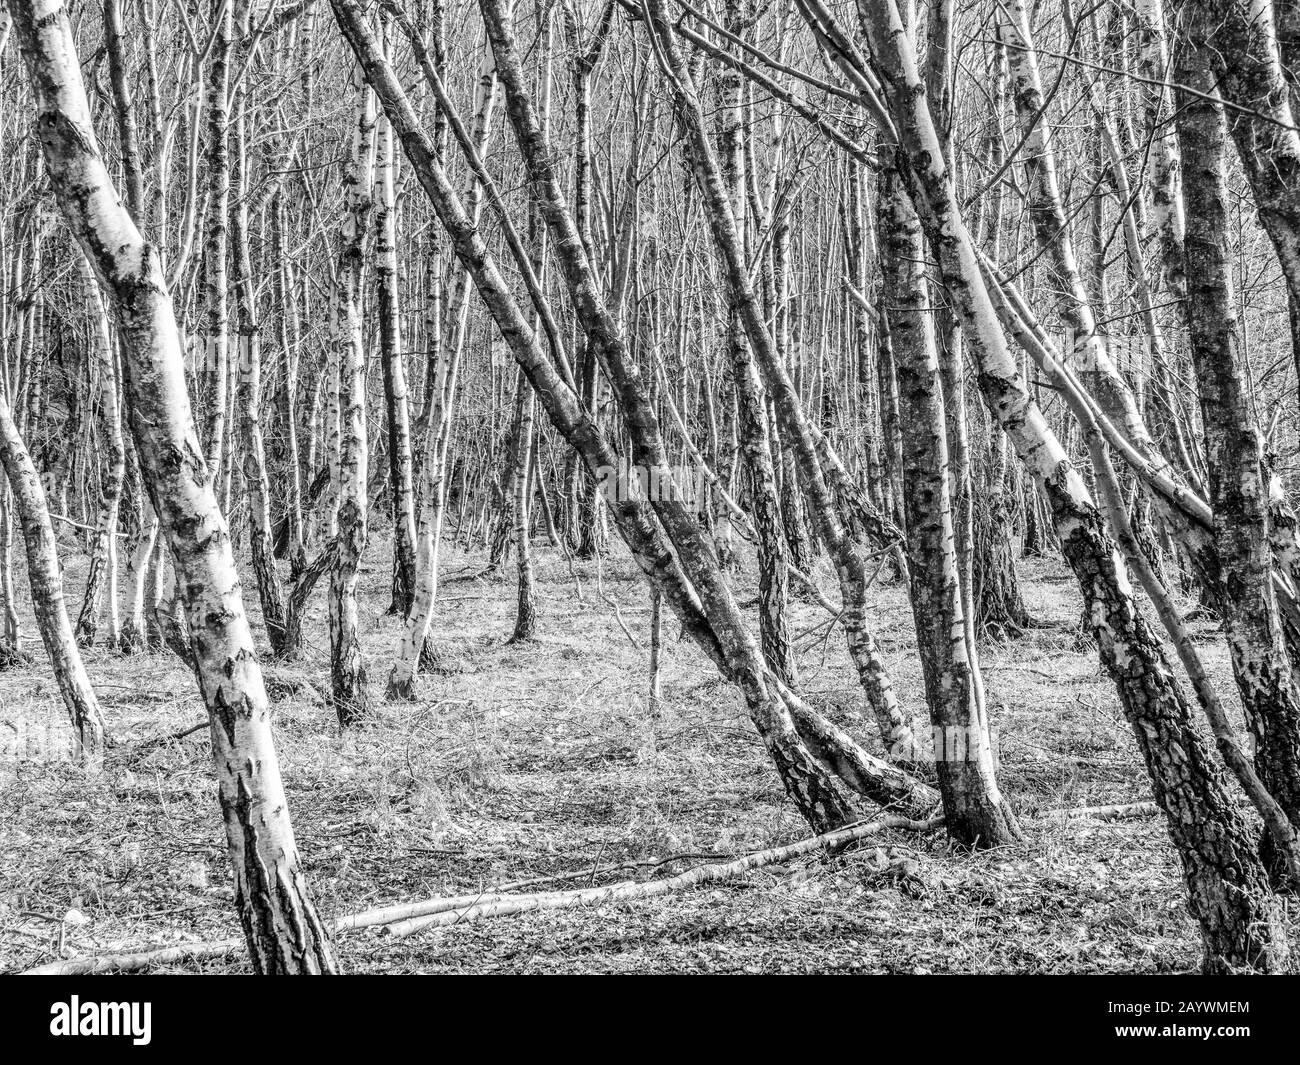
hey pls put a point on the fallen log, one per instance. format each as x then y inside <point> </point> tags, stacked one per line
<point>405,919</point>
<point>701,874</point>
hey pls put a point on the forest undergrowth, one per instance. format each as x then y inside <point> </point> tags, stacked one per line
<point>540,766</point>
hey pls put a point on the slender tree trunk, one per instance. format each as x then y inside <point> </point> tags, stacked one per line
<point>261,538</point>
<point>394,372</point>
<point>103,552</point>
<point>135,628</point>
<point>974,809</point>
<point>286,394</point>
<point>11,650</point>
<point>347,669</point>
<point>46,582</point>
<point>520,461</point>
<point>216,349</point>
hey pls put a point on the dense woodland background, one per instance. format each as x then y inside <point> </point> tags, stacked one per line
<point>766,486</point>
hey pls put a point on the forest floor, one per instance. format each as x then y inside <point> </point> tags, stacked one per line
<point>542,761</point>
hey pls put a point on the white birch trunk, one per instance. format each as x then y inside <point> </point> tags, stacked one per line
<point>283,931</point>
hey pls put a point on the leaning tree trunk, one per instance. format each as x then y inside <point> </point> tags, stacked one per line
<point>1238,481</point>
<point>1241,37</point>
<point>606,338</point>
<point>1051,225</point>
<point>818,763</point>
<point>1227,884</point>
<point>280,923</point>
<point>793,423</point>
<point>46,582</point>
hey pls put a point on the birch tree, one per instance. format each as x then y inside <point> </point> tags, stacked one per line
<point>280,923</point>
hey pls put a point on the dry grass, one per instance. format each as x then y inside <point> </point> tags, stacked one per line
<point>541,761</point>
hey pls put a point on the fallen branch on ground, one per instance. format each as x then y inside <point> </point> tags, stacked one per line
<point>1122,812</point>
<point>185,731</point>
<point>702,874</point>
<point>133,961</point>
<point>412,917</point>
